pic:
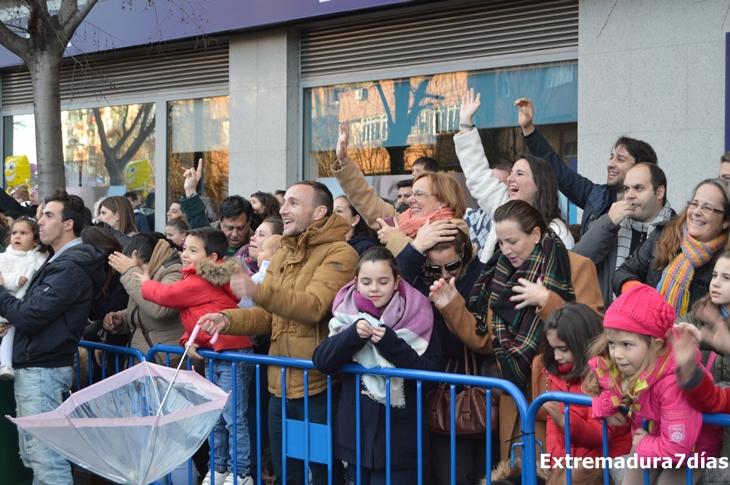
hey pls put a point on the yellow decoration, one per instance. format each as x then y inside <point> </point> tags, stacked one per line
<point>17,171</point>
<point>137,176</point>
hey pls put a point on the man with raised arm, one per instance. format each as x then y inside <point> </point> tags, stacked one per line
<point>594,199</point>
<point>48,325</point>
<point>294,305</point>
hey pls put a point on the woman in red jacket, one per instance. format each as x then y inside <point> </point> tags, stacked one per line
<point>567,334</point>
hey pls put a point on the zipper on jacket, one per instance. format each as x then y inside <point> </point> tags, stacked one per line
<point>27,349</point>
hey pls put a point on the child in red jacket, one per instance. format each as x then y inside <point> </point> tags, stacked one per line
<point>203,289</point>
<point>568,333</point>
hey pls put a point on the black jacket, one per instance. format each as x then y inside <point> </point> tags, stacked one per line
<point>410,261</point>
<point>640,267</point>
<point>361,243</point>
<point>594,199</point>
<point>337,351</point>
<point>51,318</point>
<point>12,208</point>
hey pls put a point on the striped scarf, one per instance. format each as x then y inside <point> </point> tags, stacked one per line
<point>676,277</point>
<point>517,332</point>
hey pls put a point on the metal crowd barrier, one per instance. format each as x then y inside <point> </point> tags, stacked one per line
<point>312,442</point>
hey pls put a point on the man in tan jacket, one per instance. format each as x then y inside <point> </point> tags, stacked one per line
<point>294,305</point>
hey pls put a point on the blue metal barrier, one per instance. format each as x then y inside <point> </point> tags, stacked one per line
<point>569,399</point>
<point>301,439</point>
<point>130,353</point>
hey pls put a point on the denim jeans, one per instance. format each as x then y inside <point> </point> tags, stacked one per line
<point>39,390</point>
<point>223,444</point>
<point>317,414</point>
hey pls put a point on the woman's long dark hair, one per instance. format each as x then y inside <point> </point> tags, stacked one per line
<point>547,200</point>
<point>103,239</point>
<point>361,228</point>
<point>271,207</point>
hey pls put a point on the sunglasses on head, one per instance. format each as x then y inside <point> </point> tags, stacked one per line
<point>452,266</point>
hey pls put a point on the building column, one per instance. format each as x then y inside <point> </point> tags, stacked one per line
<point>264,111</point>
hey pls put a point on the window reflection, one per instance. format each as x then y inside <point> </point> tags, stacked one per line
<point>198,128</point>
<point>394,121</point>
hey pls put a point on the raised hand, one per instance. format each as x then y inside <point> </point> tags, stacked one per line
<point>342,141</point>
<point>525,115</point>
<point>144,275</point>
<point>684,348</point>
<point>530,294</point>
<point>442,292</point>
<point>386,231</point>
<point>242,285</point>
<point>122,263</point>
<point>619,211</point>
<point>432,233</point>
<point>719,339</point>
<point>470,104</point>
<point>192,178</point>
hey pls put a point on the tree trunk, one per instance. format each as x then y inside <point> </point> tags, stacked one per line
<point>45,74</point>
<point>397,159</point>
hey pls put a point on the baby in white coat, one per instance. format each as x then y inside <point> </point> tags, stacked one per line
<point>23,257</point>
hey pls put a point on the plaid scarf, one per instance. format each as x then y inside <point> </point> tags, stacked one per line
<point>517,332</point>
<point>677,276</point>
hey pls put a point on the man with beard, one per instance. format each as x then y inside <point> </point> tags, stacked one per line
<point>594,199</point>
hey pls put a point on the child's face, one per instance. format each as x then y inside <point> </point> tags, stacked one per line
<point>376,282</point>
<point>194,252</point>
<point>174,235</point>
<point>267,252</point>
<point>22,237</point>
<point>628,351</point>
<point>720,284</point>
<point>563,355</point>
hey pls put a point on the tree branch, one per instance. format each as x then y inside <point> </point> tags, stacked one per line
<point>105,148</point>
<point>76,17</point>
<point>144,132</point>
<point>13,42</point>
<point>388,111</point>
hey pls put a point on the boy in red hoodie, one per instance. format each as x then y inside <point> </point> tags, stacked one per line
<point>203,289</point>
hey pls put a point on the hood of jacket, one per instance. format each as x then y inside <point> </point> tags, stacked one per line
<point>323,231</point>
<point>217,273</point>
<point>90,258</point>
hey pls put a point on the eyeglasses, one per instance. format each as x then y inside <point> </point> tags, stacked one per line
<point>448,267</point>
<point>706,209</point>
<point>418,194</point>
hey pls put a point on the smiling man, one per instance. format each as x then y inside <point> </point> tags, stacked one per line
<point>615,236</point>
<point>48,325</point>
<point>594,199</point>
<point>294,305</point>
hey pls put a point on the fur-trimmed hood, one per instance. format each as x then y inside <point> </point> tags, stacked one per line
<point>216,273</point>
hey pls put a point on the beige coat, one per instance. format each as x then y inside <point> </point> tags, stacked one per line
<point>163,324</point>
<point>294,303</point>
<point>364,198</point>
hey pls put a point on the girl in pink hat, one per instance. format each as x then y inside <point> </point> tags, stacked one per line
<point>633,368</point>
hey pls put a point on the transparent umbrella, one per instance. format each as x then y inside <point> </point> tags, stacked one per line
<point>113,428</point>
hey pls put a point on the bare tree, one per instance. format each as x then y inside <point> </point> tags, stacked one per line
<point>131,137</point>
<point>39,36</point>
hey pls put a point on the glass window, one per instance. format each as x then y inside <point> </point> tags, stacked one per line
<point>198,128</point>
<point>394,121</point>
<point>107,151</point>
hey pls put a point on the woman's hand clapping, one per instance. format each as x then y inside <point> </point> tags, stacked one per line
<point>530,294</point>
<point>442,292</point>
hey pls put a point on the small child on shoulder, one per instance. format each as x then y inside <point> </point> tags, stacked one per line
<point>203,289</point>
<point>633,367</point>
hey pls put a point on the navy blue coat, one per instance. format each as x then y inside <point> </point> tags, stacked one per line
<point>337,351</point>
<point>361,243</point>
<point>51,318</point>
<point>594,199</point>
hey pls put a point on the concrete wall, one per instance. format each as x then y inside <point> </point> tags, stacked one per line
<point>654,71</point>
<point>264,111</point>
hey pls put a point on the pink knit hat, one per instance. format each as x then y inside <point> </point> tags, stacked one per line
<point>642,310</point>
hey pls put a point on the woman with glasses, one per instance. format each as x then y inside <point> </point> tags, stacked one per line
<point>531,275</point>
<point>422,262</point>
<point>435,197</point>
<point>678,256</point>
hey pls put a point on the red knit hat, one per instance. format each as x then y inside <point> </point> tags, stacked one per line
<point>642,310</point>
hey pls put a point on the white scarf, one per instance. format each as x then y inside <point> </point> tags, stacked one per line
<point>628,224</point>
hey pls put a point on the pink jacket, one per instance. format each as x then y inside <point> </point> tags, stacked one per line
<point>675,427</point>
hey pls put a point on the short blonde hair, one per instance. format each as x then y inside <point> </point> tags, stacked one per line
<point>447,190</point>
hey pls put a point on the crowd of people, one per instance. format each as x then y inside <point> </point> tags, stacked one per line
<point>630,308</point>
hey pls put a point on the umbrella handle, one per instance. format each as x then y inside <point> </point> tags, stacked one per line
<point>194,335</point>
